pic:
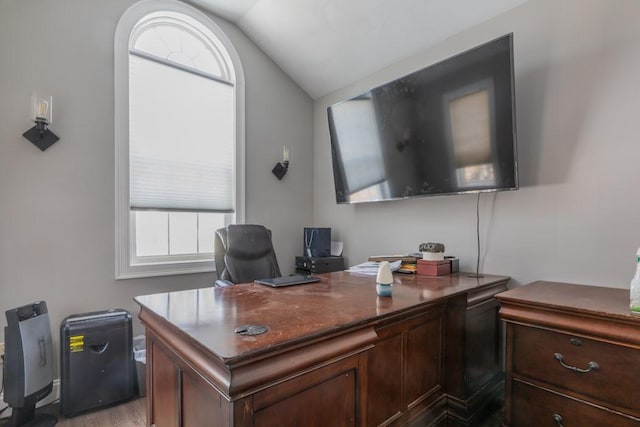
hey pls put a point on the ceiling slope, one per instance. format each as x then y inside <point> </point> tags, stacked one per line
<point>327,44</point>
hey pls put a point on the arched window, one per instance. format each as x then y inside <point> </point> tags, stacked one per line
<point>179,94</point>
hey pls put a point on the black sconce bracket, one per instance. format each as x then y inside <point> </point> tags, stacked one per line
<point>280,169</point>
<point>40,136</point>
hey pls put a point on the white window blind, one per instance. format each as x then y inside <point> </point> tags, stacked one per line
<point>181,139</point>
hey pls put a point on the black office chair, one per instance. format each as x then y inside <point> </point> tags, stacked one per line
<point>243,253</point>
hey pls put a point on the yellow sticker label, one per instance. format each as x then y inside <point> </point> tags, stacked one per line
<point>76,343</point>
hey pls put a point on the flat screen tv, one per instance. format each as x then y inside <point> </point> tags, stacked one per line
<point>446,129</point>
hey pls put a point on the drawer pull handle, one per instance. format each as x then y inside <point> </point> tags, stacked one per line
<point>558,419</point>
<point>592,366</point>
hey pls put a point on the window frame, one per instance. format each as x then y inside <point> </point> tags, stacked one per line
<point>125,268</point>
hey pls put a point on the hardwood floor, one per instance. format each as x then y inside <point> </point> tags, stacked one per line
<point>133,414</point>
<point>129,414</point>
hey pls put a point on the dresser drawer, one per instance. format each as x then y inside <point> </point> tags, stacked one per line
<point>609,371</point>
<point>536,407</point>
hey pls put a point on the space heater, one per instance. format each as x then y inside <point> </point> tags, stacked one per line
<point>28,367</point>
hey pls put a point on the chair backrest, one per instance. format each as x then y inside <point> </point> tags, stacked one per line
<point>244,252</point>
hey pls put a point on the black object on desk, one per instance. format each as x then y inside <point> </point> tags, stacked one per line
<point>318,265</point>
<point>297,279</point>
<point>317,242</point>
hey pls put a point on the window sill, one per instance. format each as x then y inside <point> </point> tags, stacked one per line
<point>164,269</point>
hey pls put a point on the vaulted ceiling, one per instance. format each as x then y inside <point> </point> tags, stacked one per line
<point>327,44</point>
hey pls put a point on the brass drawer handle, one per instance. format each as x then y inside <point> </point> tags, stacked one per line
<point>592,366</point>
<point>558,419</point>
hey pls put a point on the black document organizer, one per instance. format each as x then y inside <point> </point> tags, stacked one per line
<point>97,366</point>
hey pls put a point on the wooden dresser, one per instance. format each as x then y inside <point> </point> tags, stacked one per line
<point>572,356</point>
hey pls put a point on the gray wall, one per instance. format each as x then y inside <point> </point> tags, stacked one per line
<point>57,206</point>
<point>575,217</point>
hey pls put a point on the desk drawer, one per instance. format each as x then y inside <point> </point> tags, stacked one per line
<point>536,407</point>
<point>609,371</point>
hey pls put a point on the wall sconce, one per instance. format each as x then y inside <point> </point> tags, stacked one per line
<point>281,168</point>
<point>40,135</point>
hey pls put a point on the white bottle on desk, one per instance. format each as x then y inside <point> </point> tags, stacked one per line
<point>635,287</point>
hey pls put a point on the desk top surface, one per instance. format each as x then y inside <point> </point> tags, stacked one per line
<point>296,313</point>
<point>593,300</point>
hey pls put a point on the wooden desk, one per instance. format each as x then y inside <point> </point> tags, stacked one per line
<point>335,353</point>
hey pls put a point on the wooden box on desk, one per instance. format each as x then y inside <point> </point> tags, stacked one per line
<point>434,268</point>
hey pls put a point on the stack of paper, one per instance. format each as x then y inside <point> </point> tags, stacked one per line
<point>370,268</point>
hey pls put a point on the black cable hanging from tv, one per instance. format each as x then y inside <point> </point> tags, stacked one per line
<point>477,274</point>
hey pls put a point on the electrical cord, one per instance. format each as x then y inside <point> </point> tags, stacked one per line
<point>55,401</point>
<point>2,388</point>
<point>477,274</point>
<point>6,407</point>
<point>478,236</point>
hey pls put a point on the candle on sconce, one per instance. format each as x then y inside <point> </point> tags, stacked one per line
<point>41,114</point>
<point>42,108</point>
<point>285,154</point>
